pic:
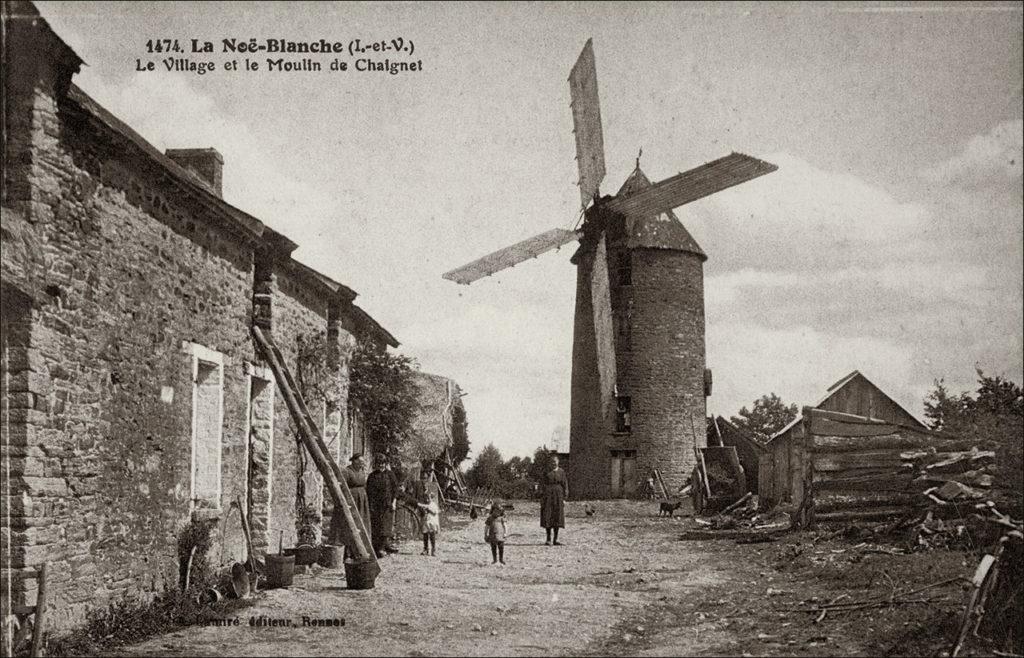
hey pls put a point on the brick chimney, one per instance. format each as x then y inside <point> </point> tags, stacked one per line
<point>206,163</point>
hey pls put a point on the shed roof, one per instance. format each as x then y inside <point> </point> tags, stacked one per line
<point>833,390</point>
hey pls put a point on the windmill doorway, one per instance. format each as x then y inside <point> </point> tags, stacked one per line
<point>623,472</point>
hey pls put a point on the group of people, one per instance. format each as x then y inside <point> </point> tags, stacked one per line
<point>379,495</point>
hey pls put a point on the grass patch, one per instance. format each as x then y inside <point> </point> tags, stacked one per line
<point>132,620</point>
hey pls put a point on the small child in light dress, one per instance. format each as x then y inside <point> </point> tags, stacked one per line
<point>430,524</point>
<point>495,532</point>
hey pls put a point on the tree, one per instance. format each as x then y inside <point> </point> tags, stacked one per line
<point>769,415</point>
<point>489,470</point>
<point>946,412</point>
<point>382,388</point>
<point>519,467</point>
<point>993,418</point>
<point>541,464</point>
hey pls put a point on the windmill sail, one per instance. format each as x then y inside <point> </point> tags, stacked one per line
<point>586,121</point>
<point>691,185</point>
<point>604,332</point>
<point>511,256</point>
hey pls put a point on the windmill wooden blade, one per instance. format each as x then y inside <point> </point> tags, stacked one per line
<point>512,255</point>
<point>586,121</point>
<point>691,185</point>
<point>604,331</point>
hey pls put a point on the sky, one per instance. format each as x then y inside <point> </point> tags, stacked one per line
<point>889,240</point>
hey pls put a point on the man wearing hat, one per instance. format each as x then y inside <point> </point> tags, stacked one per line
<point>381,492</point>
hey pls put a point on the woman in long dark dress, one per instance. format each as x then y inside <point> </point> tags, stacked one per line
<point>555,489</point>
<point>355,478</point>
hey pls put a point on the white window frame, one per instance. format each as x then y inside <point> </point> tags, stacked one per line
<point>206,355</point>
<point>254,371</point>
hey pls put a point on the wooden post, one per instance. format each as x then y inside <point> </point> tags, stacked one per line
<point>248,541</point>
<point>39,623</point>
<point>355,534</point>
<point>702,468</point>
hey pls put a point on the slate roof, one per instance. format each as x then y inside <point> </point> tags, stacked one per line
<point>663,231</point>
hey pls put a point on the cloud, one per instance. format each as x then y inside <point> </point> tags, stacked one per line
<point>986,160</point>
<point>253,178</point>
<point>803,217</point>
<point>799,363</point>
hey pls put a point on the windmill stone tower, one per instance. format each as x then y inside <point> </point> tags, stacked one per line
<point>638,377</point>
<point>656,286</point>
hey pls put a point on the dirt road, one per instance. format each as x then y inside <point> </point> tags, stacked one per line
<point>622,583</point>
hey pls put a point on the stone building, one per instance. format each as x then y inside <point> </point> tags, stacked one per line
<point>133,396</point>
<point>656,279</point>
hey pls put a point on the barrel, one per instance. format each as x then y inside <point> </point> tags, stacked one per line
<point>360,575</point>
<point>280,570</point>
<point>331,556</point>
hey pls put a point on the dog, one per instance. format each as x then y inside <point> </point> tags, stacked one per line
<point>668,508</point>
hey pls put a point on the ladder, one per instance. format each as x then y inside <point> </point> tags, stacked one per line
<point>357,537</point>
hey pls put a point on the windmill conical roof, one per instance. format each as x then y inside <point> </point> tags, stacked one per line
<point>663,231</point>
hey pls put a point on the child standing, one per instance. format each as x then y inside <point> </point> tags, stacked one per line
<point>430,523</point>
<point>494,533</point>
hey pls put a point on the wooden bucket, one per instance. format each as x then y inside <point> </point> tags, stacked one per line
<point>280,570</point>
<point>360,575</point>
<point>332,557</point>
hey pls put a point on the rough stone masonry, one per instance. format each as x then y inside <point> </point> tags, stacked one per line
<point>133,397</point>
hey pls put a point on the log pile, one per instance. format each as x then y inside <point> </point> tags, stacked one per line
<point>854,469</point>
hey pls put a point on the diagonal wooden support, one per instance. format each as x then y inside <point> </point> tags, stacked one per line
<point>357,538</point>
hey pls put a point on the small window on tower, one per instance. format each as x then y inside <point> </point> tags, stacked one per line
<point>622,419</point>
<point>625,269</point>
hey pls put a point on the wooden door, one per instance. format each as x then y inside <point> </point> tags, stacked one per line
<point>616,476</point>
<point>629,477</point>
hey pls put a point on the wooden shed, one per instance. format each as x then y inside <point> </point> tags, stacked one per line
<point>751,452</point>
<point>854,394</point>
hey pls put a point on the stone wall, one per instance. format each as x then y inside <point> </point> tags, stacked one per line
<point>298,312</point>
<point>665,377</point>
<point>660,359</point>
<point>98,384</point>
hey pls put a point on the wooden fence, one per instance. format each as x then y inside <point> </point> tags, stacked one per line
<point>849,468</point>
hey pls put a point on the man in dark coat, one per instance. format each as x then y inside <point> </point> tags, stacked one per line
<point>381,492</point>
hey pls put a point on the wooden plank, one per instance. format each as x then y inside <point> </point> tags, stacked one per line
<point>842,501</point>
<point>825,427</point>
<point>604,328</point>
<point>887,441</point>
<point>511,256</point>
<point>901,482</point>
<point>839,461</point>
<point>689,186</point>
<point>863,514</point>
<point>586,121</point>
<point>853,474</point>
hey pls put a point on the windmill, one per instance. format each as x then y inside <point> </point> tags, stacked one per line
<point>638,377</point>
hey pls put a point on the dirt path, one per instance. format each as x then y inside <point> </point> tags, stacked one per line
<point>623,584</point>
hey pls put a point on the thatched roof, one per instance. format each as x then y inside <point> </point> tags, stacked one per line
<point>432,425</point>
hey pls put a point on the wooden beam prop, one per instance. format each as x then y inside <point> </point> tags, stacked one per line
<point>356,537</point>
<point>39,622</point>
